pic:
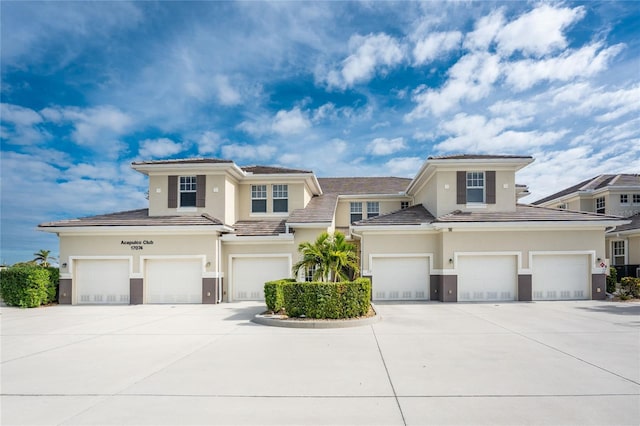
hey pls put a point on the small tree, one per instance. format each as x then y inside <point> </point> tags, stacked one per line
<point>43,258</point>
<point>331,257</point>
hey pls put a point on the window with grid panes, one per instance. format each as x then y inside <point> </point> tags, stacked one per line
<point>624,199</point>
<point>258,198</point>
<point>404,204</point>
<point>356,211</point>
<point>373,208</point>
<point>618,249</point>
<point>280,198</point>
<point>600,205</point>
<point>475,187</point>
<point>187,191</point>
<point>636,198</point>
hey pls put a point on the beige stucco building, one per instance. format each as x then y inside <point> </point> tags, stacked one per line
<point>214,231</point>
<point>611,194</point>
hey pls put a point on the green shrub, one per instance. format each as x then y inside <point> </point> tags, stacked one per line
<point>612,279</point>
<point>273,295</point>
<point>344,299</point>
<point>630,287</point>
<point>26,286</point>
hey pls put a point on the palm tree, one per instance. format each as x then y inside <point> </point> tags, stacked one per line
<point>42,257</point>
<point>330,256</point>
<point>315,255</point>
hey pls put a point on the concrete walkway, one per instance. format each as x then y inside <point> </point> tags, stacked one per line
<point>430,363</point>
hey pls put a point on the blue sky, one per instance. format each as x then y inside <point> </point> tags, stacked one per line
<point>341,88</point>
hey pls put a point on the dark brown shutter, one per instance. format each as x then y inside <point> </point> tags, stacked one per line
<point>461,187</point>
<point>173,192</point>
<point>491,186</point>
<point>201,190</point>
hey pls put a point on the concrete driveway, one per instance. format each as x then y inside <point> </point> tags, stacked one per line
<point>431,363</point>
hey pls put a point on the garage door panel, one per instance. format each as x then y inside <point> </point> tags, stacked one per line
<point>173,281</point>
<point>487,278</point>
<point>560,277</point>
<point>400,278</point>
<point>102,281</point>
<point>250,273</point>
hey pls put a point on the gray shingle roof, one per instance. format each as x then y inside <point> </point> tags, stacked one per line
<point>363,185</point>
<point>134,218</point>
<point>598,182</point>
<point>635,224</point>
<point>320,209</point>
<point>524,213</point>
<point>269,170</point>
<point>185,161</point>
<point>259,227</point>
<point>477,157</point>
<point>414,215</point>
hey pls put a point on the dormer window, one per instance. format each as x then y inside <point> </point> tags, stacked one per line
<point>475,187</point>
<point>280,198</point>
<point>624,199</point>
<point>188,189</point>
<point>600,205</point>
<point>258,198</point>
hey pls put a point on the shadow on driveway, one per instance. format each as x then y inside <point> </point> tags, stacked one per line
<point>630,308</point>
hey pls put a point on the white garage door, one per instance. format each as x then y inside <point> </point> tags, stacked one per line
<point>173,281</point>
<point>487,278</point>
<point>102,281</point>
<point>560,277</point>
<point>400,278</point>
<point>250,273</point>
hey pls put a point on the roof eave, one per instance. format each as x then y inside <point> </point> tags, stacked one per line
<point>532,224</point>
<point>127,229</point>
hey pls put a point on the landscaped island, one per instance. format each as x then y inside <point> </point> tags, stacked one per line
<point>332,293</point>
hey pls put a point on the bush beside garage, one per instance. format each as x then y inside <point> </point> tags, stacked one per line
<point>29,286</point>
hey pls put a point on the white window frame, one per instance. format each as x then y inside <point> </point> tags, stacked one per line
<point>187,185</point>
<point>617,245</point>
<point>562,206</point>
<point>636,199</point>
<point>473,180</point>
<point>280,192</point>
<point>308,273</point>
<point>259,193</point>
<point>355,207</point>
<point>404,205</point>
<point>624,199</point>
<point>373,208</point>
<point>600,203</point>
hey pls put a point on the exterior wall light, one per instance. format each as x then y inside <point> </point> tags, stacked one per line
<point>64,265</point>
<point>450,260</point>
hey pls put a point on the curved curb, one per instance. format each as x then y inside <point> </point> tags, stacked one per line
<point>279,321</point>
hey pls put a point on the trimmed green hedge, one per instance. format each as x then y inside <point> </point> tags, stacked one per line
<point>630,287</point>
<point>28,286</point>
<point>345,299</point>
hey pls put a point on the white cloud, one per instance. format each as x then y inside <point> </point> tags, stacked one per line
<point>370,54</point>
<point>226,94</point>
<point>538,32</point>
<point>208,142</point>
<point>236,152</point>
<point>384,146</point>
<point>434,45</point>
<point>290,122</point>
<point>584,62</point>
<point>159,148</point>
<point>476,134</point>
<point>404,166</point>
<point>91,125</point>
<point>21,125</point>
<point>582,99</point>
<point>485,30</point>
<point>471,79</point>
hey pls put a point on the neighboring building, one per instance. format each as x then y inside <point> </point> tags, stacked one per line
<point>617,195</point>
<point>215,231</point>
